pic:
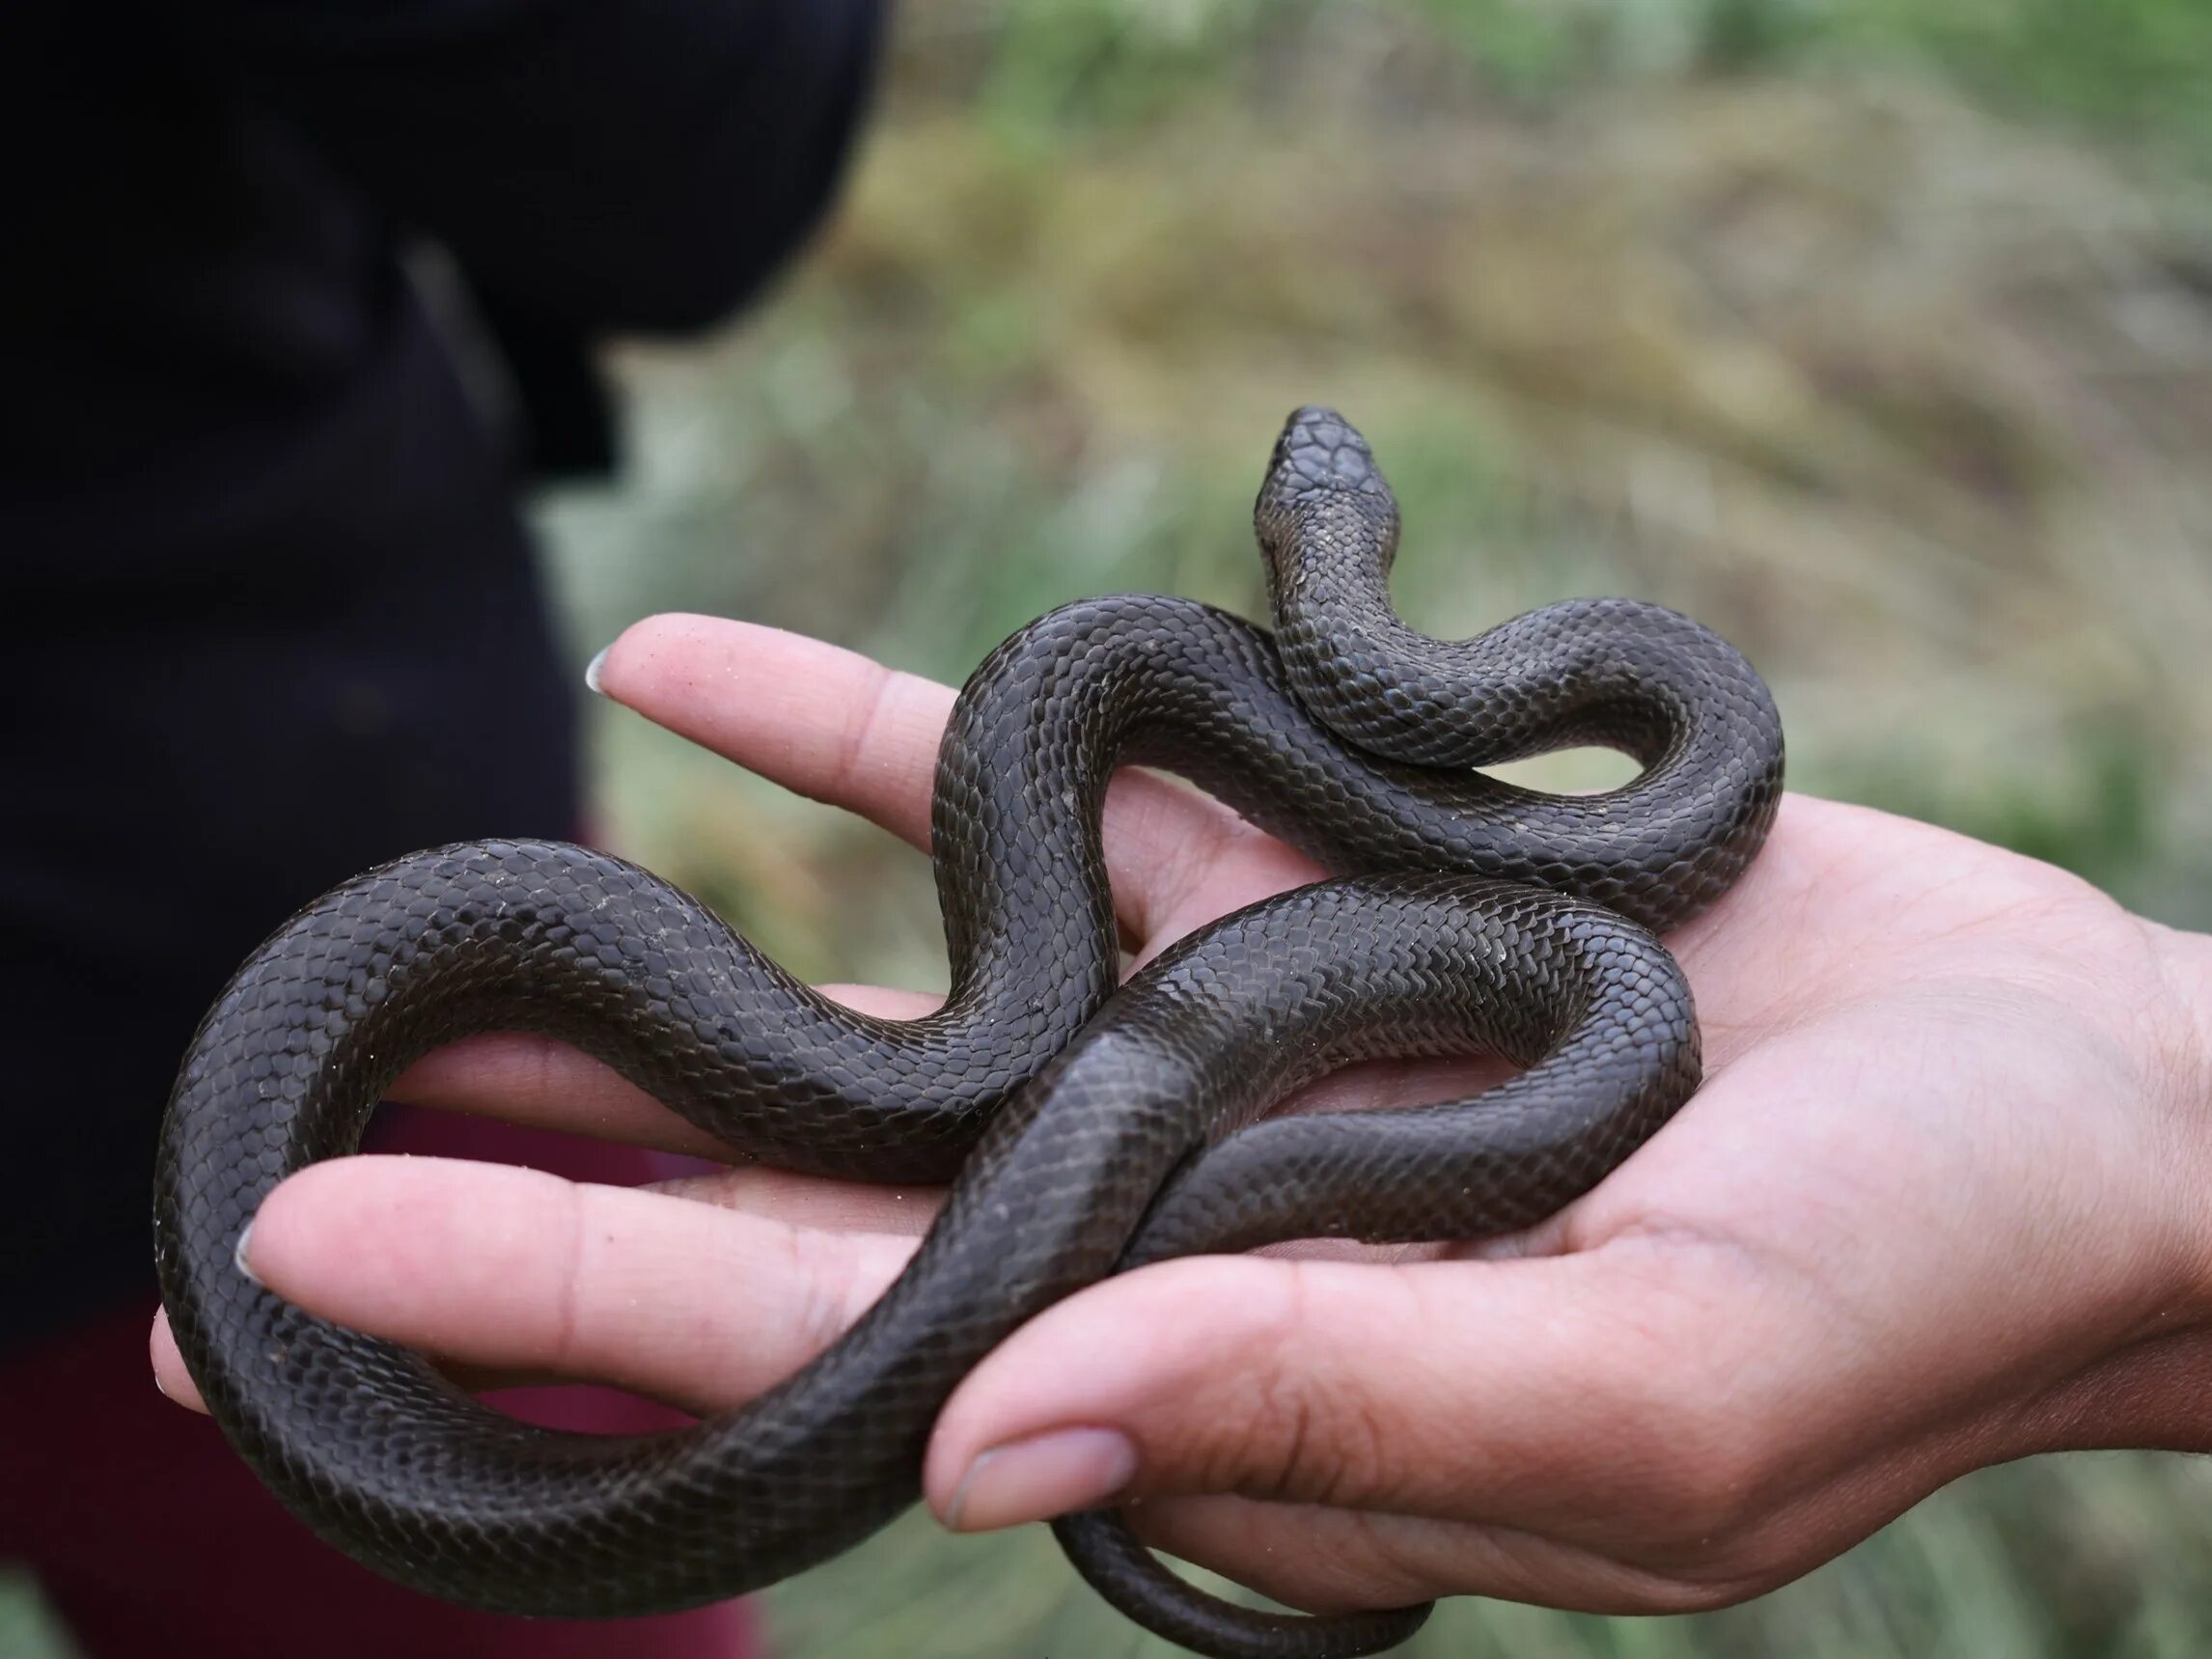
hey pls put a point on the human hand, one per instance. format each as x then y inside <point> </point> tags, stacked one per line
<point>1935,1207</point>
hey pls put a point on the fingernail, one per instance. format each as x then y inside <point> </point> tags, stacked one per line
<point>1046,1474</point>
<point>591,670</point>
<point>239,1254</point>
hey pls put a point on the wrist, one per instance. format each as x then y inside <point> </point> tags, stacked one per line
<point>2148,1387</point>
<point>2181,1065</point>
<point>2185,962</point>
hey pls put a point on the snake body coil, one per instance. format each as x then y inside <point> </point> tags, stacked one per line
<point>1089,1129</point>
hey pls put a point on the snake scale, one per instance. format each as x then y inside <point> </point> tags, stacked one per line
<point>1085,1128</point>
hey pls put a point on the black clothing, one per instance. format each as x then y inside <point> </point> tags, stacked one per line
<point>273,613</point>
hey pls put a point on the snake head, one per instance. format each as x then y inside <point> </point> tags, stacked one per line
<point>1322,470</point>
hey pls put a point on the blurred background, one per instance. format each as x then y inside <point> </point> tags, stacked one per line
<point>1877,335</point>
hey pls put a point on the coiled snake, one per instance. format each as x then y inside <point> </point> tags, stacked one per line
<point>1089,1129</point>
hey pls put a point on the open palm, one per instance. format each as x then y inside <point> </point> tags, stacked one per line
<point>1937,1205</point>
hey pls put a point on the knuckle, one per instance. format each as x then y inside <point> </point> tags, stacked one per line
<point>856,740</point>
<point>1711,1486</point>
<point>1315,1434</point>
<point>564,1340</point>
<point>1713,1449</point>
<point>828,1294</point>
<point>1710,1478</point>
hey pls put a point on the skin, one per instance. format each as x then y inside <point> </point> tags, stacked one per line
<point>1937,1205</point>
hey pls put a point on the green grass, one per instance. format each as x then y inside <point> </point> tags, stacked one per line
<point>1064,71</point>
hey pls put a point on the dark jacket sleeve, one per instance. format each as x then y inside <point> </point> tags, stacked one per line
<point>639,165</point>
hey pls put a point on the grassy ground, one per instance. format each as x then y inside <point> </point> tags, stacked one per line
<point>1882,342</point>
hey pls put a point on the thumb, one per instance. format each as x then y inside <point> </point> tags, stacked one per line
<point>1520,1391</point>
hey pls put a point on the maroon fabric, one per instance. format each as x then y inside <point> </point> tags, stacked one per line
<point>149,1536</point>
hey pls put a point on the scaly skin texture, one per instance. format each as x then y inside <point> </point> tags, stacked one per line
<point>1089,1129</point>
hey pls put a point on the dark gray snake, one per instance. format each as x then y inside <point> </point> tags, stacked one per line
<point>1089,1129</point>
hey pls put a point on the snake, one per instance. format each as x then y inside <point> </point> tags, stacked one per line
<point>1086,1126</point>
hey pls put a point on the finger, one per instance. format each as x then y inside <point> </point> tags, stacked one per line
<point>541,1084</point>
<point>546,1084</point>
<point>1321,1559</point>
<point>1515,1392</point>
<point>169,1373</point>
<point>837,727</point>
<point>531,1081</point>
<point>814,1203</point>
<point>830,724</point>
<point>510,1270</point>
<point>175,1380</point>
<point>1371,1084</point>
